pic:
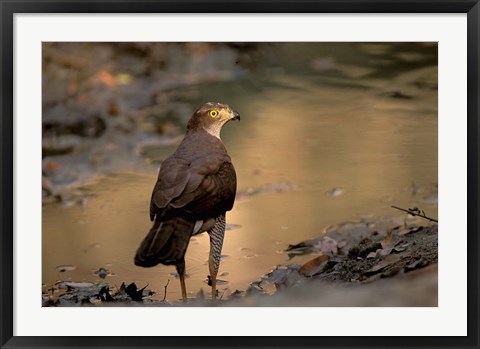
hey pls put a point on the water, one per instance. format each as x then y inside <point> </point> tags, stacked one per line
<point>348,130</point>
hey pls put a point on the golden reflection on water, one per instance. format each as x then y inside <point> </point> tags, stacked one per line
<point>316,136</point>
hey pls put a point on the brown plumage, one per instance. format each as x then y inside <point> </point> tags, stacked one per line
<point>195,187</point>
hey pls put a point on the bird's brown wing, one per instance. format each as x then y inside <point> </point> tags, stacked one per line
<point>172,179</point>
<point>202,188</point>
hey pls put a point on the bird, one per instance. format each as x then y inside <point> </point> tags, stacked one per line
<point>196,186</point>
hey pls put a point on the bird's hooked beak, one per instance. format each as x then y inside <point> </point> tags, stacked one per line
<point>235,115</point>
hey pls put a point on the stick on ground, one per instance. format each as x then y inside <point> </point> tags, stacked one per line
<point>165,294</point>
<point>415,212</point>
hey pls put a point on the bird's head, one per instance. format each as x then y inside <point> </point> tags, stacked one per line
<point>211,117</point>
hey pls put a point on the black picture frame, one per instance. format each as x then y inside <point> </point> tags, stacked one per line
<point>9,8</point>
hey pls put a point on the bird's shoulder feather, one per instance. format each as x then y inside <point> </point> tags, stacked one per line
<point>196,186</point>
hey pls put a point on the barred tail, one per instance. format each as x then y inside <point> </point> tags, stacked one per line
<point>165,243</point>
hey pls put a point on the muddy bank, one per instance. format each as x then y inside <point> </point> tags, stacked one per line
<point>391,262</point>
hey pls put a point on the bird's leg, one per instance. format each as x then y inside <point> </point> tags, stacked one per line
<point>181,273</point>
<point>216,242</point>
<point>213,277</point>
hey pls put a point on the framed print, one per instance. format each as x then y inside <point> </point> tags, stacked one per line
<point>231,174</point>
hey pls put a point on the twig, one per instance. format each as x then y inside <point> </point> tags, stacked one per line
<point>415,212</point>
<point>165,294</point>
<point>225,290</point>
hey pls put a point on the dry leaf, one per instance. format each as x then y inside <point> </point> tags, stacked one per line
<point>390,259</point>
<point>388,240</point>
<point>106,78</point>
<point>342,243</point>
<point>314,266</point>
<point>400,248</point>
<point>404,231</point>
<point>75,285</point>
<point>329,245</point>
<point>386,251</point>
<point>66,267</point>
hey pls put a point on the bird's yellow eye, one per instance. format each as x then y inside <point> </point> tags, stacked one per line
<point>213,113</point>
